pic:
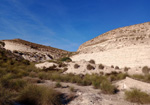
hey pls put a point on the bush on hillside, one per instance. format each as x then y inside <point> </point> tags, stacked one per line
<point>76,66</point>
<point>67,59</point>
<point>126,69</point>
<point>112,66</point>
<point>90,67</point>
<point>58,85</point>
<point>5,96</point>
<point>137,96</point>
<point>2,43</point>
<point>116,67</point>
<point>101,66</point>
<point>145,70</point>
<point>92,61</point>
<point>108,88</point>
<point>39,95</point>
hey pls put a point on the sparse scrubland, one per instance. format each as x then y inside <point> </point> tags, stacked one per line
<point>13,86</point>
<point>137,96</point>
<point>19,79</point>
<point>39,95</point>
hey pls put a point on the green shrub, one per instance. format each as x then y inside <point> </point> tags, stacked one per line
<point>65,69</point>
<point>17,84</point>
<point>126,69</point>
<point>107,88</point>
<point>121,76</point>
<point>58,85</point>
<point>147,78</point>
<point>112,78</point>
<point>67,59</point>
<point>116,67</point>
<point>138,77</point>
<point>2,43</point>
<point>39,95</point>
<point>145,70</point>
<point>144,78</point>
<point>5,96</point>
<point>90,67</point>
<point>92,61</point>
<point>5,80</point>
<point>101,73</point>
<point>112,66</point>
<point>84,82</point>
<point>76,66</point>
<point>72,89</point>
<point>96,84</point>
<point>101,66</point>
<point>43,75</point>
<point>62,64</point>
<point>137,96</point>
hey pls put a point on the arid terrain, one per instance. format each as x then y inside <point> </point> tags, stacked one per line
<point>111,69</point>
<point>32,51</point>
<point>126,46</point>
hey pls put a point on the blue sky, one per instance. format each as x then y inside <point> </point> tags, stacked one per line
<point>66,24</point>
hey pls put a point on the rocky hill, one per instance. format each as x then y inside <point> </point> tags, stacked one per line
<point>126,46</point>
<point>32,51</point>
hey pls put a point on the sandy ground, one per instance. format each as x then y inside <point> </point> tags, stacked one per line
<point>82,69</point>
<point>87,95</point>
<point>132,56</point>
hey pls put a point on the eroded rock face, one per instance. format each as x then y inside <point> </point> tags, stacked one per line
<point>130,83</point>
<point>127,46</point>
<point>32,51</point>
<point>45,65</point>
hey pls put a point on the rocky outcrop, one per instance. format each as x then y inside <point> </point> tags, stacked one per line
<point>45,65</point>
<point>32,51</point>
<point>126,46</point>
<point>118,38</point>
<point>130,83</point>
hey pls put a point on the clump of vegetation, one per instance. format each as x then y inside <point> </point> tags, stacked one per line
<point>58,85</point>
<point>112,66</point>
<point>138,77</point>
<point>101,66</point>
<point>137,96</point>
<point>61,64</point>
<point>15,51</point>
<point>116,67</point>
<point>145,70</point>
<point>5,96</point>
<point>72,89</point>
<point>101,73</point>
<point>65,69</point>
<point>108,88</point>
<point>126,69</point>
<point>67,59</point>
<point>17,84</point>
<point>96,84</point>
<point>92,61</point>
<point>39,95</point>
<point>2,43</point>
<point>54,67</point>
<point>113,76</point>
<point>90,67</point>
<point>76,66</point>
<point>144,78</point>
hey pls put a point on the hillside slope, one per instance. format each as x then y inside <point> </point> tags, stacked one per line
<point>32,51</point>
<point>126,46</point>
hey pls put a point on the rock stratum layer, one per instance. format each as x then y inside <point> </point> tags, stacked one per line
<point>126,46</point>
<point>32,51</point>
